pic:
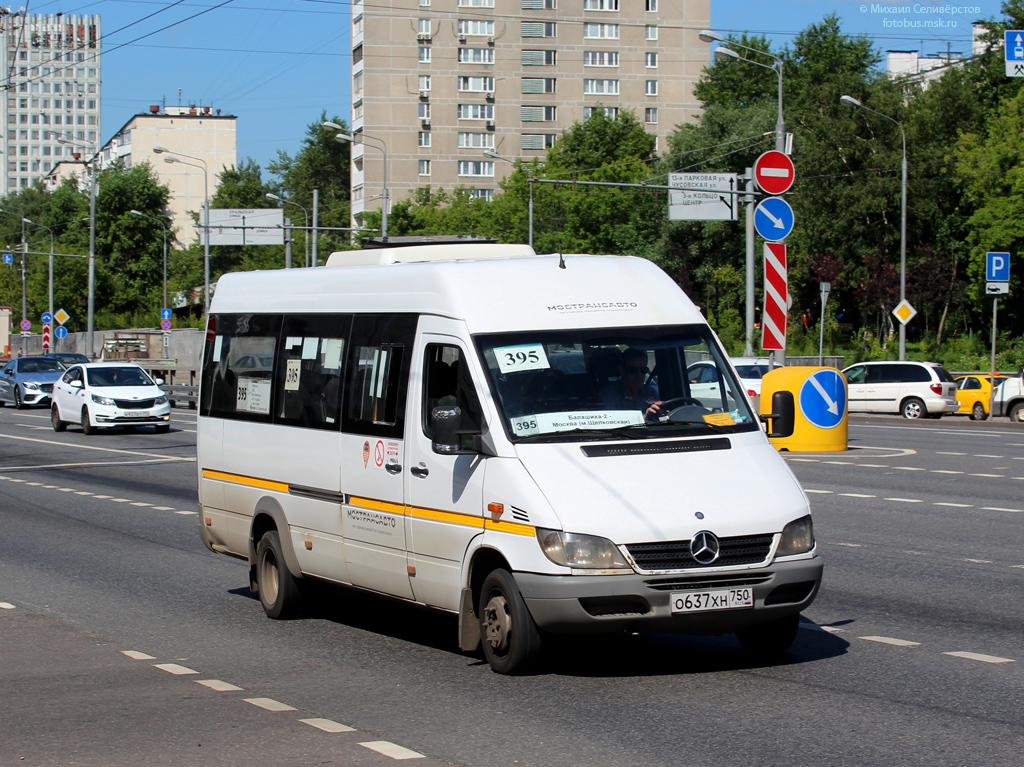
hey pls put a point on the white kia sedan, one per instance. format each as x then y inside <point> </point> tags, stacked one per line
<point>102,394</point>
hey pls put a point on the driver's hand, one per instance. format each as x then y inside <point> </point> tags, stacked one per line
<point>654,411</point>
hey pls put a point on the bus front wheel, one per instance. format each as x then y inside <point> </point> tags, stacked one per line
<point>509,636</point>
<point>279,593</point>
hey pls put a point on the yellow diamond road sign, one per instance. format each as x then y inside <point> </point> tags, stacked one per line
<point>904,312</point>
<point>61,316</point>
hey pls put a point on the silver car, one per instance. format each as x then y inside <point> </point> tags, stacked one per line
<point>28,381</point>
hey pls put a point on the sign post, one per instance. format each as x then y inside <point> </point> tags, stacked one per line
<point>825,287</point>
<point>997,273</point>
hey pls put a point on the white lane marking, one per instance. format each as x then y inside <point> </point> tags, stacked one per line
<point>980,455</point>
<point>269,704</point>
<point>979,656</point>
<point>917,553</point>
<point>942,452</point>
<point>174,668</point>
<point>141,503</point>
<point>991,476</point>
<point>33,484</point>
<point>820,492</point>
<point>82,492</point>
<point>805,460</point>
<point>851,545</point>
<point>976,561</point>
<point>955,505</point>
<point>136,655</point>
<point>120,500</point>
<point>327,725</point>
<point>111,462</point>
<point>163,508</point>
<point>102,497</point>
<point>52,443</point>
<point>390,749</point>
<point>890,640</point>
<point>905,500</point>
<point>1017,567</point>
<point>188,513</point>
<point>996,508</point>
<point>6,606</point>
<point>66,489</point>
<point>909,468</point>
<point>945,471</point>
<point>839,463</point>
<point>14,480</point>
<point>218,685</point>
<point>874,466</point>
<point>857,495</point>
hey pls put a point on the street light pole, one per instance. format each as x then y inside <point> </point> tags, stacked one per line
<point>91,303</point>
<point>850,101</point>
<point>305,219</point>
<point>491,153</point>
<point>361,139</point>
<point>206,214</point>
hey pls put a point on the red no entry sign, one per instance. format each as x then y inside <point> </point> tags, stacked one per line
<point>774,172</point>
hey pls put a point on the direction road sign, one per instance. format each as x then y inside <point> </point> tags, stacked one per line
<point>773,218</point>
<point>47,318</point>
<point>904,312</point>
<point>165,324</point>
<point>1013,48</point>
<point>8,258</point>
<point>165,314</point>
<point>997,267</point>
<point>700,198</point>
<point>61,332</point>
<point>25,325</point>
<point>776,293</point>
<point>61,316</point>
<point>774,172</point>
<point>823,398</point>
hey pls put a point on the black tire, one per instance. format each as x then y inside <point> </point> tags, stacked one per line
<point>508,634</point>
<point>18,404</point>
<point>978,412</point>
<point>162,428</point>
<point>279,593</point>
<point>58,425</point>
<point>771,638</point>
<point>87,428</point>
<point>913,408</point>
<point>1017,413</point>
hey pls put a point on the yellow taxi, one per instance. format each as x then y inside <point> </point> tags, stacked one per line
<point>972,394</point>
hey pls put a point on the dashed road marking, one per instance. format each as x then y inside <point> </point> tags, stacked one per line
<point>840,463</point>
<point>52,443</point>
<point>163,508</point>
<point>890,640</point>
<point>390,749</point>
<point>140,504</point>
<point>990,476</point>
<point>120,500</point>
<point>136,655</point>
<point>6,606</point>
<point>857,495</point>
<point>175,668</point>
<point>997,508</point>
<point>905,500</point>
<point>979,455</point>
<point>218,685</point>
<point>874,466</point>
<point>909,468</point>
<point>945,471</point>
<point>851,545</point>
<point>819,492</point>
<point>941,452</point>
<point>270,704</point>
<point>328,725</point>
<point>188,513</point>
<point>955,505</point>
<point>805,460</point>
<point>976,561</point>
<point>979,656</point>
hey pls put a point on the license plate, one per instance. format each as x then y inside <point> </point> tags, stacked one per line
<point>723,599</point>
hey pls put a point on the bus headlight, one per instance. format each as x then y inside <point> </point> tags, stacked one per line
<point>797,537</point>
<point>580,551</point>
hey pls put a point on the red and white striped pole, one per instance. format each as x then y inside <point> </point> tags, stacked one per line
<point>776,298</point>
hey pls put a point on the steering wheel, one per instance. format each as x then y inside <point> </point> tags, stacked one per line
<point>677,402</point>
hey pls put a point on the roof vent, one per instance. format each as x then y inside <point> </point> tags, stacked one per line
<point>154,109</point>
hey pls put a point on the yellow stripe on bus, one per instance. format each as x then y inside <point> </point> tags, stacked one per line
<point>446,516</point>
<point>240,479</point>
<point>509,527</point>
<point>371,503</point>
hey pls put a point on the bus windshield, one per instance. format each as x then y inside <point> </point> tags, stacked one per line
<point>595,383</point>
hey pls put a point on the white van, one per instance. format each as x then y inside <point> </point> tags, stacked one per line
<point>507,437</point>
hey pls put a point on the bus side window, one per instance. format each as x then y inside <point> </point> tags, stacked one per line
<point>377,374</point>
<point>238,365</point>
<point>309,370</point>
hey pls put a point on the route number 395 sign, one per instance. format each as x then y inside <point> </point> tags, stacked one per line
<point>512,359</point>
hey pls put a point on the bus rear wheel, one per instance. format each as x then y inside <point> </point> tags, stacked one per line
<point>279,593</point>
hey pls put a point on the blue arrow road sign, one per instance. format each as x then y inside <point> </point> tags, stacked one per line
<point>8,258</point>
<point>165,314</point>
<point>823,399</point>
<point>61,332</point>
<point>773,219</point>
<point>47,318</point>
<point>997,267</point>
<point>1014,39</point>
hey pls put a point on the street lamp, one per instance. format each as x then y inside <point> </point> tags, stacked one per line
<point>305,218</point>
<point>722,53</point>
<point>361,139</point>
<point>850,101</point>
<point>491,153</point>
<point>91,303</point>
<point>164,224</point>
<point>206,213</point>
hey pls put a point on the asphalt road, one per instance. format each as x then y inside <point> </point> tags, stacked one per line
<point>913,653</point>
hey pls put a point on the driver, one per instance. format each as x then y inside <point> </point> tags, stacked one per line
<point>631,392</point>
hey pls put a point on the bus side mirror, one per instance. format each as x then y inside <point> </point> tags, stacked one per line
<point>783,416</point>
<point>444,420</point>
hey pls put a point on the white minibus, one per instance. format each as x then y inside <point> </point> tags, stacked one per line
<point>508,437</point>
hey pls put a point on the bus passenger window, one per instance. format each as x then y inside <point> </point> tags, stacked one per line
<point>238,366</point>
<point>309,371</point>
<point>377,374</point>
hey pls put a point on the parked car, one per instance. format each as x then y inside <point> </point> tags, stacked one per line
<point>29,380</point>
<point>69,358</point>
<point>102,394</point>
<point>910,388</point>
<point>752,370</point>
<point>973,393</point>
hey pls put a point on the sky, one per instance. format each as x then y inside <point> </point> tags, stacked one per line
<point>276,64</point>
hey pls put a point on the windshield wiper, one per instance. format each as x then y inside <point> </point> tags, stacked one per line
<point>617,432</point>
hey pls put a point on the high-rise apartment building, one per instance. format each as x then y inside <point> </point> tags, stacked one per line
<point>437,82</point>
<point>52,78</point>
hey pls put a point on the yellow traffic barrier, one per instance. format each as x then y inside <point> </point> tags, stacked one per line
<point>819,399</point>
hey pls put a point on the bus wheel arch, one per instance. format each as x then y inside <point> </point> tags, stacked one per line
<point>267,516</point>
<point>480,563</point>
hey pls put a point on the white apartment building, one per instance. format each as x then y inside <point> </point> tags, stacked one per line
<point>437,82</point>
<point>52,74</point>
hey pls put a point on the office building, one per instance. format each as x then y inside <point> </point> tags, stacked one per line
<point>52,74</point>
<point>437,82</point>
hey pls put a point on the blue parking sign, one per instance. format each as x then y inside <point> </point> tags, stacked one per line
<point>997,267</point>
